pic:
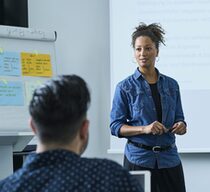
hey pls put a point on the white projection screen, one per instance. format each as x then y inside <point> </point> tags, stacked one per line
<point>186,57</point>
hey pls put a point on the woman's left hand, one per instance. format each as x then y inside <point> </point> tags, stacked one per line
<point>179,128</point>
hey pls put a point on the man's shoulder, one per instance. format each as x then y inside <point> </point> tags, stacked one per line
<point>102,162</point>
<point>10,182</point>
<point>105,166</point>
<point>96,174</point>
<point>111,172</point>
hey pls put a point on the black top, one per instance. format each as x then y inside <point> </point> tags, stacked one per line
<point>157,100</point>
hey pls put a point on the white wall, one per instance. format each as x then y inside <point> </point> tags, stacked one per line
<point>82,47</point>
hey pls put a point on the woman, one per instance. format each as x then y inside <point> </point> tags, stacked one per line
<point>147,111</point>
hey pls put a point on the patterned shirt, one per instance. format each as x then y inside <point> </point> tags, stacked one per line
<point>65,171</point>
<point>133,105</point>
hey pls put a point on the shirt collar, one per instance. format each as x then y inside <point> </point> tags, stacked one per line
<point>138,74</point>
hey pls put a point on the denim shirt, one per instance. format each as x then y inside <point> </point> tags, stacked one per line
<point>133,105</point>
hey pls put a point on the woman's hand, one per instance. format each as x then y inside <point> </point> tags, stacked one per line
<point>179,128</point>
<point>156,128</point>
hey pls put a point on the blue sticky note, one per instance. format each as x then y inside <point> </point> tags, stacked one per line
<point>10,63</point>
<point>11,93</point>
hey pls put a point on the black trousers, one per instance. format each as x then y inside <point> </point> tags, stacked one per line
<point>162,180</point>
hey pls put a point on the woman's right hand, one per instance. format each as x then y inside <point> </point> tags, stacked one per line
<point>155,128</point>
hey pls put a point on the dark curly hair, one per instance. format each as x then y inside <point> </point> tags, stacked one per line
<point>59,107</point>
<point>154,31</point>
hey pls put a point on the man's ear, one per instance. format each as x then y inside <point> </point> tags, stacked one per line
<point>33,127</point>
<point>84,129</point>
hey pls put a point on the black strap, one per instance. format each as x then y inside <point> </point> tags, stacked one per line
<point>153,148</point>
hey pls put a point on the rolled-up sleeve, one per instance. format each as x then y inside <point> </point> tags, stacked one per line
<point>179,115</point>
<point>119,111</point>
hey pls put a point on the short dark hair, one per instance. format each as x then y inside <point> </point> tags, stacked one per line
<point>59,107</point>
<point>154,31</point>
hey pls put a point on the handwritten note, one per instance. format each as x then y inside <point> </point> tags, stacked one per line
<point>11,93</point>
<point>34,64</point>
<point>30,86</point>
<point>10,63</point>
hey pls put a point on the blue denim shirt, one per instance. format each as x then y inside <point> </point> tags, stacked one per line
<point>133,105</point>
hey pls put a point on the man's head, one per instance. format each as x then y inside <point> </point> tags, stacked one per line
<point>58,110</point>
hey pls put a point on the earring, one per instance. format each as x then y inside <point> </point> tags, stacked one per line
<point>157,59</point>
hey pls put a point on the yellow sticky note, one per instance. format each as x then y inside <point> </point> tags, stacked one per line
<point>36,65</point>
